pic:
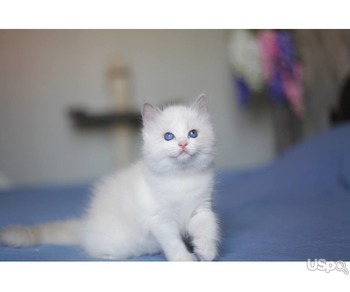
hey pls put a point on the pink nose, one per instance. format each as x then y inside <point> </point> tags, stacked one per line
<point>183,145</point>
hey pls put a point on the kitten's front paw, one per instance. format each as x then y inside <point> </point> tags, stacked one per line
<point>185,257</point>
<point>205,251</point>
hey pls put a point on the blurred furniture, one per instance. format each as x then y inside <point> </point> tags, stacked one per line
<point>341,111</point>
<point>83,119</point>
<point>121,116</point>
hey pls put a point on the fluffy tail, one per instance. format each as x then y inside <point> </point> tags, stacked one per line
<point>62,233</point>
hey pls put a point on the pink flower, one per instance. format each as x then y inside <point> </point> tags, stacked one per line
<point>294,90</point>
<point>269,52</point>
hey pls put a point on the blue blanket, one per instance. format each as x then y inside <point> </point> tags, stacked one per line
<point>296,208</point>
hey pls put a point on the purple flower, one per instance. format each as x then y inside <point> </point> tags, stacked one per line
<point>287,54</point>
<point>275,88</point>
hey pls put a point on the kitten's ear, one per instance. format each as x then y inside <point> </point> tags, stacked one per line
<point>149,113</point>
<point>201,105</point>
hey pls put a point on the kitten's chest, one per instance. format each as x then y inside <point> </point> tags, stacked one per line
<point>181,193</point>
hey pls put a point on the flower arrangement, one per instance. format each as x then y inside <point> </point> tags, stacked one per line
<point>266,61</point>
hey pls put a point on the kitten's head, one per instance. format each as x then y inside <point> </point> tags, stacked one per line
<point>178,137</point>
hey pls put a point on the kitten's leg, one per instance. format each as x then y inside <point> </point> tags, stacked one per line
<point>203,228</point>
<point>169,238</point>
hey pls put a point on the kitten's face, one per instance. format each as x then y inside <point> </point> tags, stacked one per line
<point>178,137</point>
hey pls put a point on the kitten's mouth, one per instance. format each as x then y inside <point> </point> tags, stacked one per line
<point>183,154</point>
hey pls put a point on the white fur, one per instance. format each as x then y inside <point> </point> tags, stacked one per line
<point>153,205</point>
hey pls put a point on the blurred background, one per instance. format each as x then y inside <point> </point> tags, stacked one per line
<point>70,99</point>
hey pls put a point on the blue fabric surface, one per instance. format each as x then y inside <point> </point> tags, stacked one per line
<point>296,208</point>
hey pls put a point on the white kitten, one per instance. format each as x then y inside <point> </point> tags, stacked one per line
<point>153,206</point>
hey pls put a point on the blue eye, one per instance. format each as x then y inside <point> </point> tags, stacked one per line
<point>168,136</point>
<point>193,134</point>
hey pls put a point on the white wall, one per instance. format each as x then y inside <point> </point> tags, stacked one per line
<point>43,72</point>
